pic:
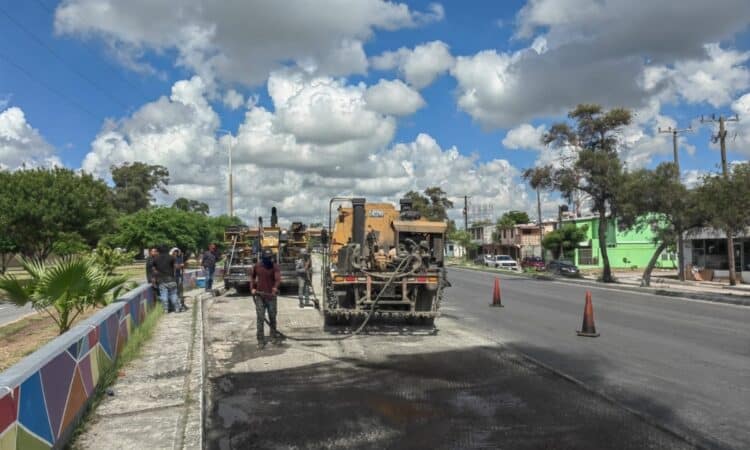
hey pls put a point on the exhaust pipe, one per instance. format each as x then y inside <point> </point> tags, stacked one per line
<point>358,222</point>
<point>274,217</point>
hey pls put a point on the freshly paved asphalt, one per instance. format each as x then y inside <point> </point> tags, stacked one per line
<point>686,364</point>
<point>10,312</point>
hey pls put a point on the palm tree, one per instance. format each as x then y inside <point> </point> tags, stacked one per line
<point>63,290</point>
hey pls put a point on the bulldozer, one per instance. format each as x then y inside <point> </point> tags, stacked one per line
<point>382,262</point>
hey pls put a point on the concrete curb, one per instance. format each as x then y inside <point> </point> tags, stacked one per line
<point>730,299</point>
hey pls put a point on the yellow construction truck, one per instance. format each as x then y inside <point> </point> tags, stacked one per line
<point>244,245</point>
<point>382,262</point>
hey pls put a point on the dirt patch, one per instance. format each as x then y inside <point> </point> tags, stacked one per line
<point>23,337</point>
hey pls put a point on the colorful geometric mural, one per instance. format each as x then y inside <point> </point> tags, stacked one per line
<point>40,408</point>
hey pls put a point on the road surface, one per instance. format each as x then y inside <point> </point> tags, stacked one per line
<point>396,386</point>
<point>10,312</point>
<point>684,363</point>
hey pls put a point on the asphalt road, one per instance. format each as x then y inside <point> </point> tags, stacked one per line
<point>684,363</point>
<point>10,312</point>
<point>396,387</point>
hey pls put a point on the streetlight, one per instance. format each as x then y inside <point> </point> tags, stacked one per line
<point>231,187</point>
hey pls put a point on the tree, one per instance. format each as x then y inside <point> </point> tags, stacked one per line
<point>439,203</point>
<point>433,205</point>
<point>463,238</point>
<point>42,207</point>
<point>512,218</point>
<point>68,244</point>
<point>63,290</point>
<point>217,225</point>
<point>540,179</point>
<point>566,238</point>
<point>109,259</point>
<point>725,202</point>
<point>191,205</point>
<point>8,249</point>
<point>597,170</point>
<point>657,200</point>
<point>172,227</point>
<point>135,183</point>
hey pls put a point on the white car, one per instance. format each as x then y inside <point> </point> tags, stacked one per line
<point>506,262</point>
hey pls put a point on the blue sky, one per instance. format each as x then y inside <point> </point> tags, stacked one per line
<point>84,79</point>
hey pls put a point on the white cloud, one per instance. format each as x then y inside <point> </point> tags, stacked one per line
<point>233,99</point>
<point>294,157</point>
<point>714,78</point>
<point>419,66</point>
<point>525,137</point>
<point>239,42</point>
<point>21,145</point>
<point>614,52</point>
<point>740,130</point>
<point>393,97</point>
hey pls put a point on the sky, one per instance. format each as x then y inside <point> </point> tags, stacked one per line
<point>361,98</point>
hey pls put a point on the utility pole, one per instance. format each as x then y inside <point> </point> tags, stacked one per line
<point>680,241</point>
<point>721,137</point>
<point>230,202</point>
<point>466,213</point>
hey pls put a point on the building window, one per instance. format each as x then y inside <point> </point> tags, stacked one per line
<point>586,258</point>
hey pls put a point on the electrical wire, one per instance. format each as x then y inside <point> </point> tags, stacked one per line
<point>62,60</point>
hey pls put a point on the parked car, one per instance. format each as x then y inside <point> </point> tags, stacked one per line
<point>488,260</point>
<point>565,268</point>
<point>533,262</point>
<point>479,260</point>
<point>506,262</point>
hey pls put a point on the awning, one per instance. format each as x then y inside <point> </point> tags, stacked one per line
<point>419,226</point>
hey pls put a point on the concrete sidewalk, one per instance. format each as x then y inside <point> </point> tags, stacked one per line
<point>157,397</point>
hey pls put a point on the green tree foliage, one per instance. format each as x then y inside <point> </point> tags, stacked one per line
<point>567,237</point>
<point>597,170</point>
<point>68,244</point>
<point>511,218</point>
<point>172,227</point>
<point>463,238</point>
<point>657,200</point>
<point>135,184</point>
<point>42,207</point>
<point>433,205</point>
<point>217,225</point>
<point>63,290</point>
<point>109,259</point>
<point>725,202</point>
<point>191,205</point>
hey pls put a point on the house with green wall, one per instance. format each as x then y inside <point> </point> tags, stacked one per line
<point>626,249</point>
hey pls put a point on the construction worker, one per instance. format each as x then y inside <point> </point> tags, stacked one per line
<point>303,267</point>
<point>265,279</point>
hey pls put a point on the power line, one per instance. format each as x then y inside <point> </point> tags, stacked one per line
<point>61,59</point>
<point>94,55</point>
<point>48,87</point>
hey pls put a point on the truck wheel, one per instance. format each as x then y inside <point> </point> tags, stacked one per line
<point>427,321</point>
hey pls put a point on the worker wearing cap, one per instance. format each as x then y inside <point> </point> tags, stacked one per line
<point>303,267</point>
<point>265,279</point>
<point>179,267</point>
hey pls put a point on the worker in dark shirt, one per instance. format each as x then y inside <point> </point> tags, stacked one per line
<point>265,279</point>
<point>208,262</point>
<point>152,253</point>
<point>164,276</point>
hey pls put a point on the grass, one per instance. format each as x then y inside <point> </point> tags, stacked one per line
<point>132,349</point>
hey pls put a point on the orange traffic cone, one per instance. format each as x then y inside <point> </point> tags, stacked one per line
<point>588,329</point>
<point>496,300</point>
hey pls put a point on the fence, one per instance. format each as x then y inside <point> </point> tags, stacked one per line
<point>43,397</point>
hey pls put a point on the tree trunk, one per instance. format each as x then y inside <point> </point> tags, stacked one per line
<point>646,279</point>
<point>680,256</point>
<point>730,250</point>
<point>607,271</point>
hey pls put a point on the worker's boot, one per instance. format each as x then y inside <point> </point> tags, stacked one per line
<point>261,344</point>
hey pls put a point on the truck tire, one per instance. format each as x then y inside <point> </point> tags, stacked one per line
<point>330,320</point>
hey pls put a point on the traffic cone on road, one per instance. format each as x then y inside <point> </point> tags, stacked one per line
<point>496,300</point>
<point>588,329</point>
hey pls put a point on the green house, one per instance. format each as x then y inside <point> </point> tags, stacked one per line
<point>626,249</point>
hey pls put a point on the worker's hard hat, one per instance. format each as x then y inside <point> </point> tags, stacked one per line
<point>174,249</point>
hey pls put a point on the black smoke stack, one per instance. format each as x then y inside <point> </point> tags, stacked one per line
<point>358,222</point>
<point>274,217</point>
<point>407,213</point>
